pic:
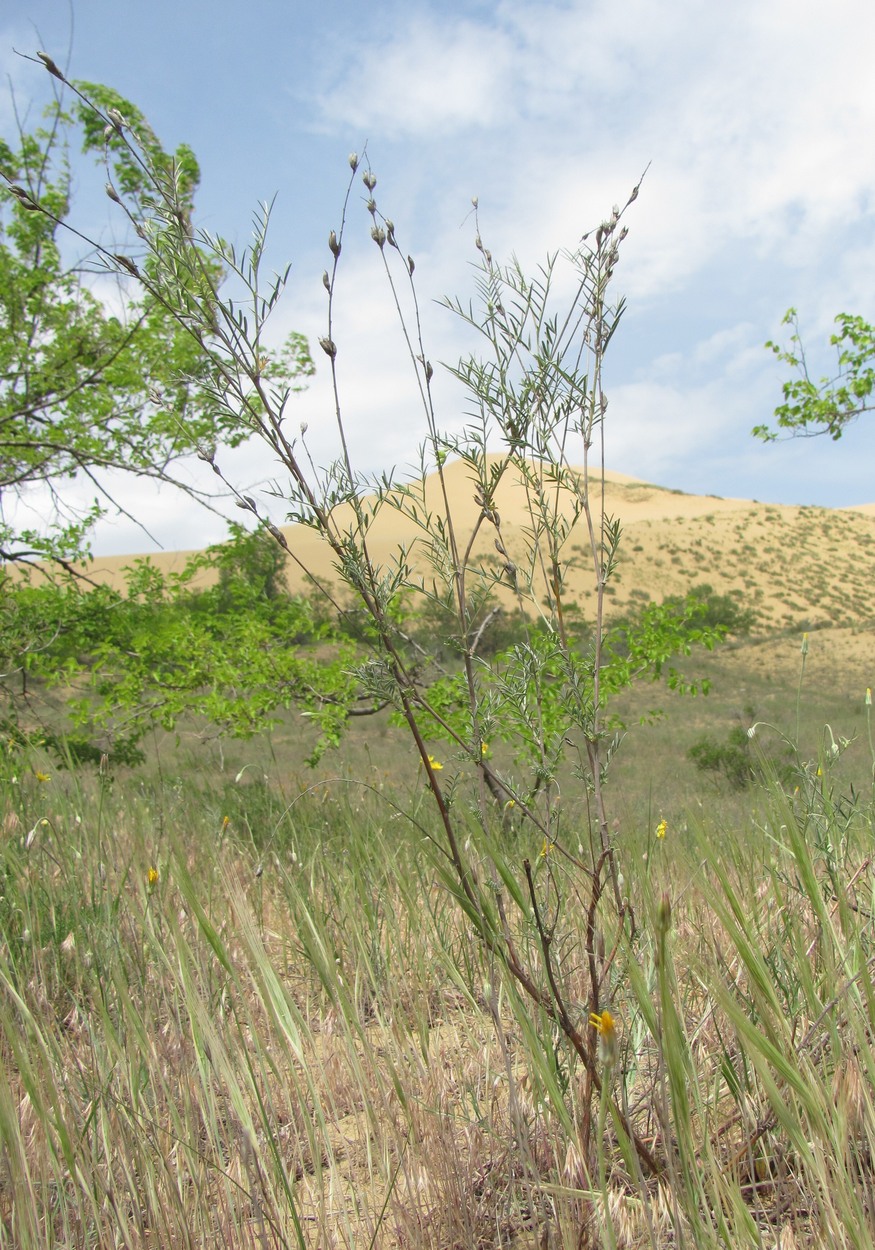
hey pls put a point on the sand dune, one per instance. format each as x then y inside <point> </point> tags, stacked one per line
<point>793,565</point>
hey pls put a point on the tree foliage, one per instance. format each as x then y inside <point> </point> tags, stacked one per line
<point>220,648</point>
<point>85,387</point>
<point>831,404</point>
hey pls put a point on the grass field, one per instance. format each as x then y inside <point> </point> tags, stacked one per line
<point>242,1005</point>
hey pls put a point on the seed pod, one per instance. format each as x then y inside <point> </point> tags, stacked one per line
<point>369,180</point>
<point>127,263</point>
<point>51,66</point>
<point>333,244</point>
<point>378,234</point>
<point>326,282</point>
<point>329,347</point>
<point>112,193</point>
<point>663,913</point>
<point>277,533</point>
<point>117,119</point>
<point>353,161</point>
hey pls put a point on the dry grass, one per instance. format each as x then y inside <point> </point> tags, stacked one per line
<point>317,1054</point>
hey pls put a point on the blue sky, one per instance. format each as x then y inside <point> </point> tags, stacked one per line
<point>756,118</point>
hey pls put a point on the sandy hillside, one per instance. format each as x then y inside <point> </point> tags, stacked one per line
<point>799,567</point>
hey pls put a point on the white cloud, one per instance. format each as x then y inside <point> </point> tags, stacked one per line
<point>427,76</point>
<point>756,118</point>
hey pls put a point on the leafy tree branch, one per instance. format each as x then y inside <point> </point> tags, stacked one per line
<point>831,404</point>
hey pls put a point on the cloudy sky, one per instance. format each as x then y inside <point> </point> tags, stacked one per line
<point>755,118</point>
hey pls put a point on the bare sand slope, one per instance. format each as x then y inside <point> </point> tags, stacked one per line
<point>792,565</point>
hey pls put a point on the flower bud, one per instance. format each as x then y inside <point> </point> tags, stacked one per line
<point>353,161</point>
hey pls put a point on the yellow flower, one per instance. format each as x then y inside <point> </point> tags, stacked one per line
<point>607,1030</point>
<point>662,829</point>
<point>509,804</point>
<point>868,699</point>
<point>152,876</point>
<point>226,820</point>
<point>603,1023</point>
<point>42,777</point>
<point>434,765</point>
<point>545,849</point>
